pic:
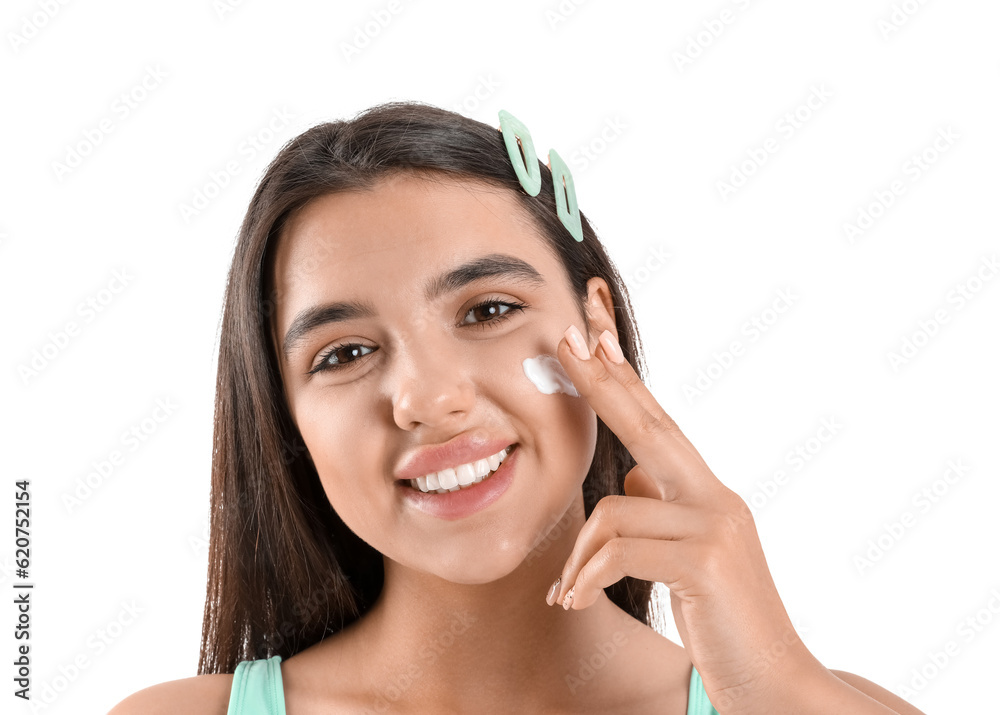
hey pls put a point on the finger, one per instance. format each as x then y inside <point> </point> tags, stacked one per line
<point>639,484</point>
<point>646,437</point>
<point>617,516</point>
<point>648,559</point>
<point>630,380</point>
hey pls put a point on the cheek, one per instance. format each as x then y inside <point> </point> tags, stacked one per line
<point>546,373</point>
<point>343,449</point>
<point>559,424</point>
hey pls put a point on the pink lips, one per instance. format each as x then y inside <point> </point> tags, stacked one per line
<point>468,500</point>
<point>465,448</point>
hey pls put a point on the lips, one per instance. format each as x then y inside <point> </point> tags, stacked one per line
<point>463,502</point>
<point>465,448</point>
<point>464,477</point>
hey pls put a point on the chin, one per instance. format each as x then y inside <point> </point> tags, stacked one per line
<point>467,564</point>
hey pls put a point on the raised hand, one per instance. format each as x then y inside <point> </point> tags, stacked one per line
<point>679,525</point>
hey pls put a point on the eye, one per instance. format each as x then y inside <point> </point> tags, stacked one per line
<point>343,352</point>
<point>494,315</point>
<point>336,351</point>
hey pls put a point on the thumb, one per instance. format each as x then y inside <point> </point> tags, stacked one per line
<point>640,484</point>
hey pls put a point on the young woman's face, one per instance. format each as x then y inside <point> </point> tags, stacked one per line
<point>424,365</point>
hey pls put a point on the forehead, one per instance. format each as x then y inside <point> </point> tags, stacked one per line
<point>363,242</point>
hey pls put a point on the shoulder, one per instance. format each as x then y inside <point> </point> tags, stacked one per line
<point>200,695</point>
<point>877,692</point>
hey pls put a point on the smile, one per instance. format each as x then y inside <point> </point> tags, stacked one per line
<point>461,477</point>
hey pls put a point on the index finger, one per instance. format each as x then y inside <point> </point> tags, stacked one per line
<point>629,409</point>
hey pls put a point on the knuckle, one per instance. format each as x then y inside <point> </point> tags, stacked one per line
<point>668,423</point>
<point>649,425</point>
<point>718,522</point>
<point>729,522</point>
<point>615,551</point>
<point>735,508</point>
<point>601,377</point>
<point>608,511</point>
<point>742,509</point>
<point>631,381</point>
<point>706,557</point>
<point>729,515</point>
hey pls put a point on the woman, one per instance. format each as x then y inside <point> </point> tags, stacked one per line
<point>397,299</point>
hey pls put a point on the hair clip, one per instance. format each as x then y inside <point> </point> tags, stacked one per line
<point>514,133</point>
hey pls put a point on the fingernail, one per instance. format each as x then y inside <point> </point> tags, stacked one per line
<point>611,347</point>
<point>552,591</point>
<point>569,599</point>
<point>577,343</point>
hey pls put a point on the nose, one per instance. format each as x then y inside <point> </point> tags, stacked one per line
<point>433,389</point>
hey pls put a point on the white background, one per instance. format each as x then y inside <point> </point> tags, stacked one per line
<point>599,77</point>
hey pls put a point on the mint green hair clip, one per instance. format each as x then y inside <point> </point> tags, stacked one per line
<point>527,169</point>
<point>530,175</point>
<point>566,206</point>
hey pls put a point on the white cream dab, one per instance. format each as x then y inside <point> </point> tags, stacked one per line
<point>546,373</point>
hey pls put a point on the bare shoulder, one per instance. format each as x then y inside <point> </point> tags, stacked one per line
<point>654,675</point>
<point>199,695</point>
<point>877,692</point>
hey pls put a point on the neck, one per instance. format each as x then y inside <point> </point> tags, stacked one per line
<point>451,647</point>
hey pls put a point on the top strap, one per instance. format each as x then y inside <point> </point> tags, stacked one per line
<point>698,702</point>
<point>257,688</point>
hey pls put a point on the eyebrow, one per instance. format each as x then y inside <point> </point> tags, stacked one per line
<point>491,266</point>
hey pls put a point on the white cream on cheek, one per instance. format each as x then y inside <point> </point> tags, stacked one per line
<point>546,373</point>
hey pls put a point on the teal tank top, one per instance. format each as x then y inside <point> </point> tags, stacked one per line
<point>257,690</point>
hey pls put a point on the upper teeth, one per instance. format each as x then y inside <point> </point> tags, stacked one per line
<point>454,478</point>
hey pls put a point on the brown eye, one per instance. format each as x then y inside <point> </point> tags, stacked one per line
<point>490,311</point>
<point>339,356</point>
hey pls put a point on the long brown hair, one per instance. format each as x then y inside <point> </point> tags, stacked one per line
<point>284,571</point>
